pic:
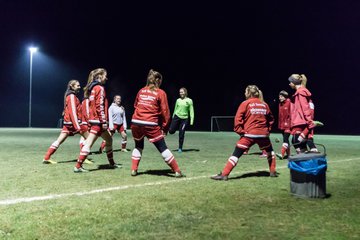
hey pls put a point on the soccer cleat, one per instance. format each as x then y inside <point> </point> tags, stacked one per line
<point>279,156</point>
<point>179,175</point>
<point>179,150</point>
<point>87,161</point>
<point>314,150</point>
<point>318,124</point>
<point>80,170</point>
<point>115,166</point>
<point>219,177</point>
<point>124,150</point>
<point>134,173</point>
<point>273,174</point>
<point>263,154</point>
<point>49,161</point>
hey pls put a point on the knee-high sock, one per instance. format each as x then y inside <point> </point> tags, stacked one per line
<point>272,161</point>
<point>51,150</point>
<point>123,144</point>
<point>231,163</point>
<point>170,160</point>
<point>109,154</point>
<point>85,150</point>
<point>135,158</point>
<point>103,144</point>
<point>285,149</point>
<point>81,142</point>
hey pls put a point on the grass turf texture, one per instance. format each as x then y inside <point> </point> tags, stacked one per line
<point>155,205</point>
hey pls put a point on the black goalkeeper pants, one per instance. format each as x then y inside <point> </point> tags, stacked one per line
<point>179,124</point>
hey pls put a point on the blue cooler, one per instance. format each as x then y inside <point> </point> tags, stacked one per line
<point>308,175</point>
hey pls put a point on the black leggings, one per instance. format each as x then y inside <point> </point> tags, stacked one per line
<point>179,124</point>
<point>160,145</point>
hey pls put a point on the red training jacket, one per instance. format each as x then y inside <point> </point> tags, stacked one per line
<point>302,108</point>
<point>151,108</point>
<point>85,111</point>
<point>72,111</point>
<point>253,119</point>
<point>284,121</point>
<point>98,105</point>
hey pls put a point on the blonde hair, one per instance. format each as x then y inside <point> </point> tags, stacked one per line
<point>154,82</point>
<point>253,91</point>
<point>92,76</point>
<point>298,79</point>
<point>185,91</point>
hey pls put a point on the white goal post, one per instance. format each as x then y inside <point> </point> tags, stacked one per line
<point>222,123</point>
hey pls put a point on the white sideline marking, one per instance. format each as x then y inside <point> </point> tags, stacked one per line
<point>56,196</point>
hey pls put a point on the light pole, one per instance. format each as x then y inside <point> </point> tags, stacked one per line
<point>32,51</point>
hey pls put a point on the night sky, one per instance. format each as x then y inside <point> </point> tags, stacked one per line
<point>213,49</point>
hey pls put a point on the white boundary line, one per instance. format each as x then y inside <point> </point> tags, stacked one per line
<point>118,188</point>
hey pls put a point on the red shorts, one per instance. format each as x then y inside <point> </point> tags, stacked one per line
<point>298,129</point>
<point>69,129</point>
<point>119,128</point>
<point>153,133</point>
<point>84,128</point>
<point>246,142</point>
<point>97,129</point>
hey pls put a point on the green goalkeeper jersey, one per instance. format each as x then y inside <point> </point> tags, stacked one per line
<point>184,108</point>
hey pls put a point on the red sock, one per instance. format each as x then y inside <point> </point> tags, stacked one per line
<point>135,163</point>
<point>50,152</point>
<point>283,151</point>
<point>228,167</point>
<point>103,143</point>
<point>173,164</point>
<point>123,146</point>
<point>80,161</point>
<point>272,163</point>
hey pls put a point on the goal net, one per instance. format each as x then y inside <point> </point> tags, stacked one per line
<point>222,123</point>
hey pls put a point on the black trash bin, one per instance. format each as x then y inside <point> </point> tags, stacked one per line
<point>308,175</point>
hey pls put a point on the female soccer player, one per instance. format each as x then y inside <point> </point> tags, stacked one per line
<point>302,113</point>
<point>72,116</point>
<point>253,121</point>
<point>184,109</point>
<point>284,122</point>
<point>95,90</point>
<point>151,119</point>
<point>117,122</point>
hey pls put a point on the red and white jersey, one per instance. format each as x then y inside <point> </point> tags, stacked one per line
<point>72,111</point>
<point>284,121</point>
<point>98,105</point>
<point>117,116</point>
<point>253,119</point>
<point>151,108</point>
<point>85,111</point>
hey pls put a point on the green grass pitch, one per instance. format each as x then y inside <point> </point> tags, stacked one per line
<point>40,201</point>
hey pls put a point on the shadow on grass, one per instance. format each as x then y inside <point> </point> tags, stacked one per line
<point>103,167</point>
<point>252,174</point>
<point>158,172</point>
<point>74,160</point>
<point>253,153</point>
<point>188,150</point>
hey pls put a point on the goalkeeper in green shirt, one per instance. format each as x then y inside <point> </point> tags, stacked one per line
<point>183,114</point>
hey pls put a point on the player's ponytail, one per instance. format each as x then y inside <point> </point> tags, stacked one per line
<point>92,76</point>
